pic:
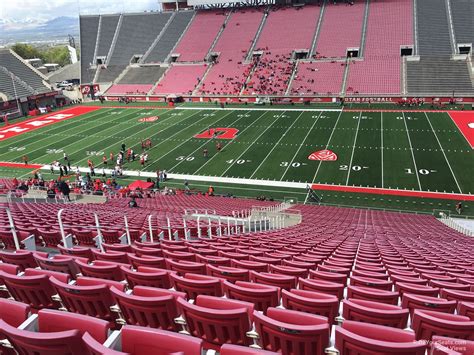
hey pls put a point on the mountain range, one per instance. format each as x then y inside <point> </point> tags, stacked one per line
<point>31,29</point>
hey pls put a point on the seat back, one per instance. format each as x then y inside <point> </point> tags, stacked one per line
<point>101,270</point>
<point>292,332</point>
<point>147,276</point>
<point>262,296</point>
<point>57,343</point>
<point>149,307</point>
<point>93,300</point>
<point>217,321</point>
<point>311,302</point>
<point>194,285</point>
<point>22,258</point>
<point>13,312</point>
<point>428,323</point>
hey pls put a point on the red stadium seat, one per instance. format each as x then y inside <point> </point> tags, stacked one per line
<point>57,333</point>
<point>311,302</point>
<point>292,332</point>
<point>101,269</point>
<point>328,276</point>
<point>405,287</point>
<point>428,323</point>
<point>147,276</point>
<point>289,270</point>
<point>457,295</point>
<point>230,274</point>
<point>145,341</point>
<point>22,258</point>
<point>81,252</point>
<point>194,285</point>
<point>218,321</point>
<point>277,280</point>
<point>111,256</point>
<point>148,307</point>
<point>374,312</point>
<point>250,265</point>
<point>364,338</point>
<point>229,349</point>
<point>466,309</point>
<point>182,267</point>
<point>34,287</point>
<point>60,263</point>
<point>370,282</point>
<point>88,296</point>
<point>372,294</point>
<point>413,302</point>
<point>331,288</point>
<point>145,260</point>
<point>262,296</point>
<point>12,312</point>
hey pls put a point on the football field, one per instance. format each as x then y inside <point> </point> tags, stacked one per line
<point>420,151</point>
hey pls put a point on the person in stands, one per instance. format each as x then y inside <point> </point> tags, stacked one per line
<point>65,190</point>
<point>132,203</point>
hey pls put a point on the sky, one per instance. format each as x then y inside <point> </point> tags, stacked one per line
<point>48,9</point>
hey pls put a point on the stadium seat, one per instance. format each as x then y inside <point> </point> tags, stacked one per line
<point>428,323</point>
<point>60,263</point>
<point>466,309</point>
<point>88,296</point>
<point>250,265</point>
<point>147,261</point>
<point>372,294</point>
<point>229,349</point>
<point>13,312</point>
<point>80,252</point>
<point>34,287</point>
<point>22,258</point>
<point>55,333</point>
<point>182,267</point>
<point>364,338</point>
<point>218,321</point>
<point>262,296</point>
<point>457,295</point>
<point>413,302</point>
<point>230,274</point>
<point>311,302</point>
<point>291,332</point>
<point>135,340</point>
<point>195,284</point>
<point>406,287</point>
<point>124,248</point>
<point>288,270</point>
<point>328,276</point>
<point>331,288</point>
<point>111,256</point>
<point>148,307</point>
<point>147,276</point>
<point>277,280</point>
<point>370,282</point>
<point>101,269</point>
<point>375,313</point>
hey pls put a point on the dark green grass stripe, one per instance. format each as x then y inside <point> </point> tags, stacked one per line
<point>366,168</point>
<point>397,154</point>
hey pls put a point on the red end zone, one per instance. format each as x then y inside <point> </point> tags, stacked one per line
<point>465,123</point>
<point>393,192</point>
<point>42,121</point>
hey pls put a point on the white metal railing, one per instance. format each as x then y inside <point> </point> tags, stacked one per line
<point>450,222</point>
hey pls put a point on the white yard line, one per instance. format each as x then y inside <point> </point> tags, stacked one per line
<point>256,139</point>
<point>301,145</point>
<point>411,150</point>
<point>240,132</point>
<point>276,144</point>
<point>327,145</point>
<point>207,141</point>
<point>444,154</point>
<point>381,140</point>
<point>353,150</point>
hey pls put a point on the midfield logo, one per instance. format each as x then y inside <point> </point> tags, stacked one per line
<point>326,155</point>
<point>148,119</point>
<point>218,133</point>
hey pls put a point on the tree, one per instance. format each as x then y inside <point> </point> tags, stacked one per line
<point>58,54</point>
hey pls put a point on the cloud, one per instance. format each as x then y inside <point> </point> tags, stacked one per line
<point>45,10</point>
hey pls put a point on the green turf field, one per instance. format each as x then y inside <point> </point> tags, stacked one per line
<point>396,150</point>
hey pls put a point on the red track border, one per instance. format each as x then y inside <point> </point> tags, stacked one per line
<point>7,164</point>
<point>394,192</point>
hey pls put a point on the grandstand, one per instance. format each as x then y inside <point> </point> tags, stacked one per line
<point>335,50</point>
<point>251,178</point>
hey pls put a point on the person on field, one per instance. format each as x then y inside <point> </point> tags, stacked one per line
<point>65,156</point>
<point>104,160</point>
<point>25,159</point>
<point>218,146</point>
<point>459,207</point>
<point>205,153</point>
